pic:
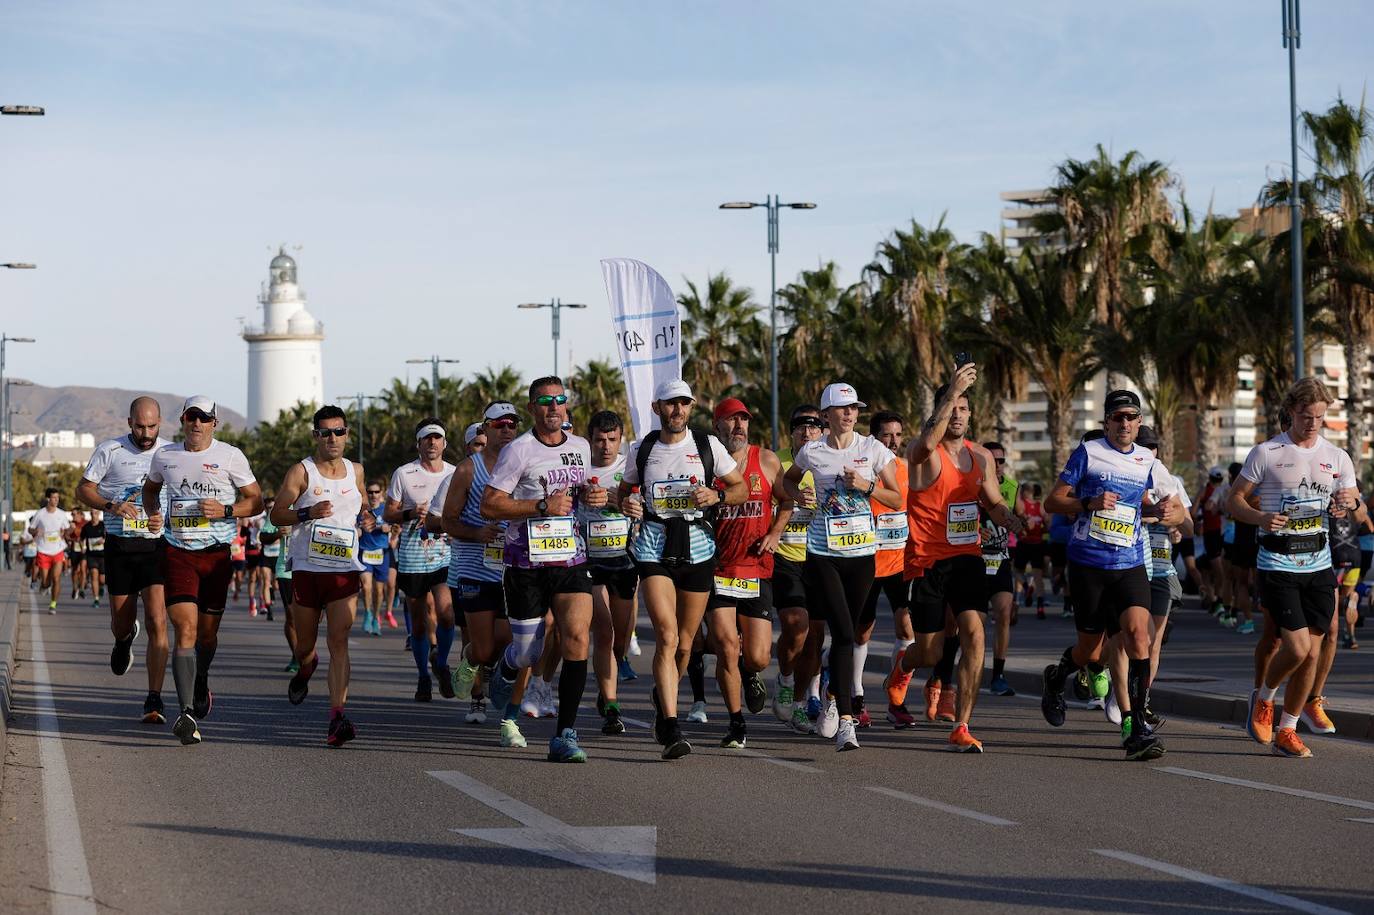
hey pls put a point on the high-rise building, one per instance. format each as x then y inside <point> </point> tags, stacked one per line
<point>285,363</point>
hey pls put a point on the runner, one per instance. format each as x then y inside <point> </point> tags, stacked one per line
<point>1241,553</point>
<point>238,559</point>
<point>1031,556</point>
<point>849,470</point>
<point>422,559</point>
<point>800,636</point>
<point>264,575</point>
<point>252,558</point>
<point>29,549</point>
<point>93,548</point>
<point>209,485</point>
<point>1209,514</point>
<point>1105,483</point>
<point>474,439</point>
<point>76,558</point>
<point>374,548</point>
<point>678,471</point>
<point>538,483</point>
<point>1001,571</point>
<point>1299,477</point>
<point>322,495</point>
<point>952,479</point>
<point>48,527</point>
<point>478,566</point>
<point>740,608</point>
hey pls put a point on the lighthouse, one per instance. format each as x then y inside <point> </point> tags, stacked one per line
<point>285,364</point>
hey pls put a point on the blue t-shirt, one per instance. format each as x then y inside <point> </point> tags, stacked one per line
<point>375,539</point>
<point>1109,539</point>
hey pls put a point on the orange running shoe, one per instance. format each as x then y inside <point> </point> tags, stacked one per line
<point>932,699</point>
<point>1260,722</point>
<point>1315,717</point>
<point>948,698</point>
<point>896,683</point>
<point>1288,743</point>
<point>961,741</point>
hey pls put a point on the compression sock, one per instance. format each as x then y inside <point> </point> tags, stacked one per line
<point>419,650</point>
<point>998,665</point>
<point>696,672</point>
<point>571,684</point>
<point>445,644</point>
<point>1138,682</point>
<point>205,654</point>
<point>1066,666</point>
<point>512,712</point>
<point>860,659</point>
<point>944,670</point>
<point>336,712</point>
<point>184,675</point>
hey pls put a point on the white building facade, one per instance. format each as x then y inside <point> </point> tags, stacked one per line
<point>285,358</point>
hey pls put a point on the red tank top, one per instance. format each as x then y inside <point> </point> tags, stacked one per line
<point>943,519</point>
<point>740,527</point>
<point>1035,530</point>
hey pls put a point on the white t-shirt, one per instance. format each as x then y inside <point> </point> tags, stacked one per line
<point>118,469</point>
<point>530,469</point>
<point>218,473</point>
<point>1299,483</point>
<point>867,457</point>
<point>1159,551</point>
<point>412,485</point>
<point>672,472</point>
<point>50,525</point>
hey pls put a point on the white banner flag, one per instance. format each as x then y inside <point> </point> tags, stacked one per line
<point>645,321</point>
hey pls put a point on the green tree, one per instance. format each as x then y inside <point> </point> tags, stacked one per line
<point>31,481</point>
<point>716,323</point>
<point>598,385</point>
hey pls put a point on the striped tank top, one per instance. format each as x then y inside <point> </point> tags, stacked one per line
<point>471,560</point>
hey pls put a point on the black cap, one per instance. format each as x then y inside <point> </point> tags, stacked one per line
<point>1147,438</point>
<point>1118,399</point>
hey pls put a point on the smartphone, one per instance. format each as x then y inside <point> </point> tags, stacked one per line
<point>961,360</point>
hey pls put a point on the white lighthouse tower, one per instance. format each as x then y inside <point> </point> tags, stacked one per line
<point>284,359</point>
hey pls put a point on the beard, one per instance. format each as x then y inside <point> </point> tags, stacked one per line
<point>736,443</point>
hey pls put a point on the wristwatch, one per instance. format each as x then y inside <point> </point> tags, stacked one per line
<point>542,506</point>
<point>720,496</point>
<point>109,506</point>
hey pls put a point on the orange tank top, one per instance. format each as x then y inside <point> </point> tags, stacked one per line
<point>944,517</point>
<point>891,556</point>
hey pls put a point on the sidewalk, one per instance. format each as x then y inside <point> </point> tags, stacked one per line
<point>10,584</point>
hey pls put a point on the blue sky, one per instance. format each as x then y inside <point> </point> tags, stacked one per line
<point>442,161</point>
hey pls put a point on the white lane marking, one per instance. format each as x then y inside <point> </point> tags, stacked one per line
<point>626,851</point>
<point>946,808</point>
<point>1262,786</point>
<point>785,763</point>
<point>68,873</point>
<point>1221,883</point>
<point>1361,819</point>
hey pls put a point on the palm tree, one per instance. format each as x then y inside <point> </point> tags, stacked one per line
<point>984,289</point>
<point>492,384</point>
<point>714,324</point>
<point>599,385</point>
<point>808,357</point>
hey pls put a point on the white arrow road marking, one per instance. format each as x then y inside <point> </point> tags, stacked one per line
<point>626,851</point>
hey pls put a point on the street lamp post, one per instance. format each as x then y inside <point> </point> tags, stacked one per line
<point>1292,40</point>
<point>433,376</point>
<point>7,444</point>
<point>555,306</point>
<point>23,110</point>
<point>773,205</point>
<point>8,462</point>
<point>359,398</point>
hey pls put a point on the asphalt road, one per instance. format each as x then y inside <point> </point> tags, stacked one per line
<point>424,812</point>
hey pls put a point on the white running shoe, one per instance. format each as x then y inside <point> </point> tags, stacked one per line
<point>510,734</point>
<point>634,645</point>
<point>477,712</point>
<point>530,704</point>
<point>844,736</point>
<point>1095,702</point>
<point>548,705</point>
<point>698,713</point>
<point>1112,710</point>
<point>828,724</point>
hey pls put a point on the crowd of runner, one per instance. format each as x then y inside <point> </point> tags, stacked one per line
<point>530,559</point>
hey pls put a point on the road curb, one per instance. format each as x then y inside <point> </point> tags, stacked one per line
<point>9,643</point>
<point>1218,707</point>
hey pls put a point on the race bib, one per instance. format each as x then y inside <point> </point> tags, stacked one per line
<point>137,525</point>
<point>95,544</point>
<point>332,546</point>
<point>992,562</point>
<point>673,498</point>
<point>551,539</point>
<point>272,550</point>
<point>608,537</point>
<point>187,516</point>
<point>370,557</point>
<point>961,524</point>
<point>52,538</point>
<point>740,588</point>
<point>794,533</point>
<point>849,533</point>
<point>1114,526</point>
<point>892,530</point>
<point>1161,548</point>
<point>494,554</point>
<point>1305,516</point>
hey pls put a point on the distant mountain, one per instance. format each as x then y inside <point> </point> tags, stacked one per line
<point>103,412</point>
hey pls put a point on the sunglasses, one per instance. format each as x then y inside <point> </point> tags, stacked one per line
<point>326,433</point>
<point>807,421</point>
<point>374,492</point>
<point>505,423</point>
<point>198,416</point>
<point>1124,416</point>
<point>1000,460</point>
<point>548,400</point>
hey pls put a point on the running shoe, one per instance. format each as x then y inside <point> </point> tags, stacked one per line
<point>813,707</point>
<point>1153,719</point>
<point>153,711</point>
<point>734,736</point>
<point>530,703</point>
<point>829,721</point>
<point>698,713</point>
<point>52,608</point>
<point>800,723</point>
<point>961,741</point>
<point>627,671</point>
<point>1040,612</point>
<point>463,678</point>
<point>613,723</point>
<point>901,718</point>
<point>1288,743</point>
<point>341,731</point>
<point>252,608</point>
<point>122,655</point>
<point>424,689</point>
<point>845,738</point>
<point>1348,641</point>
<point>896,685</point>
<point>1099,683</point>
<point>1259,720</point>
<point>634,649</point>
<point>1315,717</point>
<point>185,728</point>
<point>932,692</point>
<point>548,703</point>
<point>1000,686</point>
<point>755,694</point>
<point>204,699</point>
<point>1141,747</point>
<point>861,717</point>
<point>299,687</point>
<point>675,746</point>
<point>1066,614</point>
<point>564,748</point>
<point>292,666</point>
<point>1081,690</point>
<point>1112,709</point>
<point>510,734</point>
<point>477,712</point>
<point>442,673</point>
<point>1246,628</point>
<point>96,602</point>
<point>391,619</point>
<point>498,689</point>
<point>1051,699</point>
<point>946,711</point>
<point>784,702</point>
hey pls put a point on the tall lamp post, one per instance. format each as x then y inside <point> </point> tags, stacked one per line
<point>1292,40</point>
<point>359,398</point>
<point>8,462</point>
<point>7,444</point>
<point>773,205</point>
<point>555,306</point>
<point>433,376</point>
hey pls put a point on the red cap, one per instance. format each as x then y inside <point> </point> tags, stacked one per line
<point>731,406</point>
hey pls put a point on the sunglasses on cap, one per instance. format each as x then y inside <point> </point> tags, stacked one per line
<point>1124,416</point>
<point>501,424</point>
<point>548,400</point>
<point>199,416</point>
<point>336,433</point>
<point>807,421</point>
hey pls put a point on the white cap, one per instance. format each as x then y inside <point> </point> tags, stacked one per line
<point>430,429</point>
<point>499,410</point>
<point>199,402</point>
<point>1217,472</point>
<point>840,394</point>
<point>673,389</point>
<point>470,433</point>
